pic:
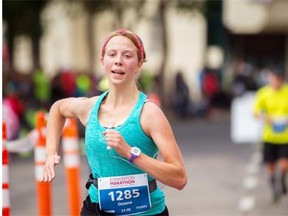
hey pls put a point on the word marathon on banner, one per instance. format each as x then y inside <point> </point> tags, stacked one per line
<point>124,195</point>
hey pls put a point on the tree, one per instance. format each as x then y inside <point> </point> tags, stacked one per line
<point>165,49</point>
<point>23,18</point>
<point>183,5</point>
<point>92,7</point>
<point>95,6</point>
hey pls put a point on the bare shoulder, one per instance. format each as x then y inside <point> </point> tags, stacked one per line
<point>150,109</point>
<point>153,118</point>
<point>81,103</point>
<point>86,105</point>
<point>89,102</point>
<point>77,107</point>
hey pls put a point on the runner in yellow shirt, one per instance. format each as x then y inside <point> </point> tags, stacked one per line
<point>271,106</point>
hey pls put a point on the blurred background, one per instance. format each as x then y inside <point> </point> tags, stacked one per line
<point>202,56</point>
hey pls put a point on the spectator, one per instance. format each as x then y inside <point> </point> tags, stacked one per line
<point>181,96</point>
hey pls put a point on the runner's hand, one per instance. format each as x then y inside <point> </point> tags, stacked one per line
<point>115,140</point>
<point>49,170</point>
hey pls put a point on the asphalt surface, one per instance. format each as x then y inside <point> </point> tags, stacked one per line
<point>216,170</point>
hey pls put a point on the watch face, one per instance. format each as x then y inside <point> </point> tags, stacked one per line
<point>136,151</point>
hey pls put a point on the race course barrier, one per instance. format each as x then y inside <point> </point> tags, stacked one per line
<point>70,142</point>
<point>43,189</point>
<point>5,174</point>
<point>71,156</point>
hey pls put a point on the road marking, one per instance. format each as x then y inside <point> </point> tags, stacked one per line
<point>246,203</point>
<point>250,183</point>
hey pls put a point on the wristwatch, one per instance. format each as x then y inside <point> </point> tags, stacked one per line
<point>135,152</point>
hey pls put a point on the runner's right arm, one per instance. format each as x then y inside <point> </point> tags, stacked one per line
<point>60,110</point>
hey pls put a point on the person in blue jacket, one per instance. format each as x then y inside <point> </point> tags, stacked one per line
<point>124,134</point>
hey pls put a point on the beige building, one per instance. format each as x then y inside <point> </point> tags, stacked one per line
<point>259,29</point>
<point>64,44</point>
<point>252,25</point>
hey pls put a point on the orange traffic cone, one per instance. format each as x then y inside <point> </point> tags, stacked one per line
<point>5,174</point>
<point>70,141</point>
<point>43,189</point>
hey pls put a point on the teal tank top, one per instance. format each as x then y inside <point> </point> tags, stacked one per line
<point>107,163</point>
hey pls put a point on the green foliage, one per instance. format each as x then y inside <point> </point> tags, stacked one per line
<point>94,6</point>
<point>190,5</point>
<point>213,9</point>
<point>23,17</point>
<point>146,81</point>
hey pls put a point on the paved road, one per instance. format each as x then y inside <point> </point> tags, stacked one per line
<point>216,170</point>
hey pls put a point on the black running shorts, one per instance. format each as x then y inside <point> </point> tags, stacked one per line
<point>273,152</point>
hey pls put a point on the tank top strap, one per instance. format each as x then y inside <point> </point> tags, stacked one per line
<point>95,109</point>
<point>139,106</point>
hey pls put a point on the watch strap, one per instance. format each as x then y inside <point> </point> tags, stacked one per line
<point>132,158</point>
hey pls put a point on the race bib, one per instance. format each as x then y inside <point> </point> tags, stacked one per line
<point>124,195</point>
<point>279,125</point>
<point>279,128</point>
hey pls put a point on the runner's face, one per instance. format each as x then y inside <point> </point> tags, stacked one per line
<point>120,61</point>
<point>275,81</point>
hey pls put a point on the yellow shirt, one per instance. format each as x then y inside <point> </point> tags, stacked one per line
<point>273,103</point>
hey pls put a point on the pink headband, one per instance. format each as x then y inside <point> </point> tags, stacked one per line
<point>122,32</point>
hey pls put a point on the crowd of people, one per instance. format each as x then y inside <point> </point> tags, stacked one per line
<point>24,95</point>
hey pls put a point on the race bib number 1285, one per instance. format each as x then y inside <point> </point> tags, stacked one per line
<point>124,195</point>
